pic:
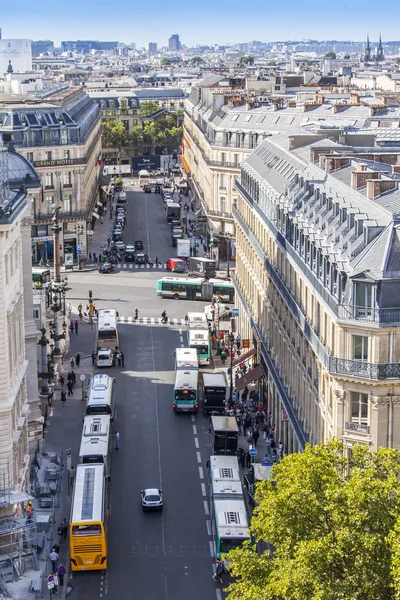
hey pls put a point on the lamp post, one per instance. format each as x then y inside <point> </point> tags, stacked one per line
<point>57,290</point>
<point>79,229</point>
<point>231,342</point>
<point>214,244</point>
<point>45,374</point>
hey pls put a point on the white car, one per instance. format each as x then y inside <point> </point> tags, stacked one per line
<point>104,357</point>
<point>151,499</point>
<point>122,195</point>
<point>223,310</point>
<point>120,245</point>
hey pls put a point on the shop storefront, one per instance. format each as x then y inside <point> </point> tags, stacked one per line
<point>42,244</point>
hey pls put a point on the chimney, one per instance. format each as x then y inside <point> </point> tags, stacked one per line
<point>359,178</point>
<point>334,163</point>
<point>376,187</point>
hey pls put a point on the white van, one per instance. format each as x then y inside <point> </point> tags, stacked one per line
<point>104,357</point>
<point>197,320</point>
<point>101,396</point>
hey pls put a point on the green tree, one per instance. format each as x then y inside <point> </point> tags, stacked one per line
<point>330,55</point>
<point>247,60</point>
<point>334,529</point>
<point>148,108</point>
<point>197,60</point>
<point>137,139</point>
<point>166,61</point>
<point>114,134</point>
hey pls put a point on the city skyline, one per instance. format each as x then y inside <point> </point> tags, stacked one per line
<point>311,20</point>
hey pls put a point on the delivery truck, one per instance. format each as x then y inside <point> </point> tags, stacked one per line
<point>183,248</point>
<point>214,392</point>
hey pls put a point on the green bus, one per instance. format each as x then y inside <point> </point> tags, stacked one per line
<point>195,288</point>
<point>40,276</point>
<point>200,340</point>
<point>186,390</point>
<point>231,525</point>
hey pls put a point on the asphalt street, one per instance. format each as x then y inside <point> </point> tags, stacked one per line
<point>167,555</point>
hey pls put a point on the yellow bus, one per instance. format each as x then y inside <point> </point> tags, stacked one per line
<point>88,525</point>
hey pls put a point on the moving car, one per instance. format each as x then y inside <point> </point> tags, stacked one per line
<point>141,258</point>
<point>225,311</point>
<point>146,189</point>
<point>176,265</point>
<point>106,268</point>
<point>120,245</point>
<point>139,245</point>
<point>130,253</point>
<point>151,499</point>
<point>122,196</point>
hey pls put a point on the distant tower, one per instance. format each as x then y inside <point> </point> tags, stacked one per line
<point>379,51</point>
<point>367,55</point>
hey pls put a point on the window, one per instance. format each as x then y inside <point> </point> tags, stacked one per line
<point>247,118</point>
<point>359,408</point>
<point>36,314</point>
<point>48,180</point>
<point>67,198</point>
<point>223,157</point>
<point>29,156</point>
<point>125,123</point>
<point>49,204</point>
<point>360,347</point>
<point>364,299</point>
<point>66,154</point>
<point>235,117</point>
<point>64,136</point>
<point>222,182</point>
<point>260,118</point>
<point>222,204</point>
<point>67,179</point>
<point>236,159</point>
<point>47,155</point>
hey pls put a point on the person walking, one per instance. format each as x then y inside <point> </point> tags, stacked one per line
<point>71,327</point>
<point>122,358</point>
<point>63,397</point>
<point>73,378</point>
<point>256,435</point>
<point>220,570</point>
<point>70,388</point>
<point>72,362</point>
<point>59,533</point>
<point>54,560</point>
<point>93,357</point>
<point>61,571</point>
<point>117,440</point>
<point>62,381</point>
<point>78,359</point>
<point>65,529</point>
<point>150,262</point>
<point>76,325</point>
<point>156,261</point>
<point>119,358</point>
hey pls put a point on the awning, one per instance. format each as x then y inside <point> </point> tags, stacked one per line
<point>243,357</point>
<point>184,165</point>
<point>251,376</point>
<point>99,203</point>
<point>96,215</point>
<point>104,179</point>
<point>187,141</point>
<point>105,189</point>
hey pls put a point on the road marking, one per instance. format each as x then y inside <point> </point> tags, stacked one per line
<point>175,321</point>
<point>125,265</point>
<point>218,594</point>
<point>198,455</point>
<point>144,320</point>
<point>209,530</point>
<point>203,489</point>
<point>152,320</point>
<point>193,418</point>
<point>181,339</point>
<point>131,266</point>
<point>206,507</point>
<point>201,473</point>
<point>194,429</point>
<point>212,551</point>
<point>196,443</point>
<point>130,319</point>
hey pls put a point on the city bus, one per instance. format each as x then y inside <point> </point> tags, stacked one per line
<point>186,391</point>
<point>107,330</point>
<point>200,340</point>
<point>40,277</point>
<point>144,177</point>
<point>225,478</point>
<point>231,524</point>
<point>96,441</point>
<point>195,288</point>
<point>186,358</point>
<point>88,523</point>
<point>101,396</point>
<point>196,320</point>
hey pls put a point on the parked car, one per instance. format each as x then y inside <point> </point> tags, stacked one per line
<point>106,268</point>
<point>152,499</point>
<point>130,253</point>
<point>122,196</point>
<point>141,258</point>
<point>120,245</point>
<point>139,245</point>
<point>225,311</point>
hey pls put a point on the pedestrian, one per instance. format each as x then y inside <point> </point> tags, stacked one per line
<point>93,357</point>
<point>54,560</point>
<point>119,358</point>
<point>62,381</point>
<point>150,262</point>
<point>94,257</point>
<point>156,261</point>
<point>220,570</point>
<point>108,242</point>
<point>76,325</point>
<point>56,548</point>
<point>256,435</point>
<point>65,529</point>
<point>122,358</point>
<point>63,397</point>
<point>61,571</point>
<point>114,357</point>
<point>55,579</point>
<point>78,359</point>
<point>72,362</point>
<point>117,441</point>
<point>280,450</point>
<point>59,532</point>
<point>73,378</point>
<point>71,327</point>
<point>70,388</point>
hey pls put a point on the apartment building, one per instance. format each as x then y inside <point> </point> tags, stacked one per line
<point>60,135</point>
<point>225,121</point>
<point>317,282</point>
<point>20,414</point>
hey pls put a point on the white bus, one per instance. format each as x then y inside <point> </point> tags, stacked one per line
<point>196,320</point>
<point>200,340</point>
<point>101,396</point>
<point>88,524</point>
<point>225,477</point>
<point>186,391</point>
<point>96,441</point>
<point>231,525</point>
<point>186,358</point>
<point>107,330</point>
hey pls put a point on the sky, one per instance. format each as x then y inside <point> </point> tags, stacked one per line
<point>204,22</point>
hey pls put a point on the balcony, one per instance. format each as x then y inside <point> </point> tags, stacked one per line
<point>368,314</point>
<point>224,164</point>
<point>41,217</point>
<point>273,371</point>
<point>364,370</point>
<point>356,427</point>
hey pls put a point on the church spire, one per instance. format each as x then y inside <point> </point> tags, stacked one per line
<point>367,55</point>
<point>379,51</point>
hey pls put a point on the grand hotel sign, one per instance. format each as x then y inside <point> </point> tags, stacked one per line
<point>62,162</point>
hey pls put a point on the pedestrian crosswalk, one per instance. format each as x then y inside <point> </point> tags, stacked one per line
<point>151,321</point>
<point>135,266</point>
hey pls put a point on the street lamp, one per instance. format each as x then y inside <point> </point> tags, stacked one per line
<point>79,229</point>
<point>214,243</point>
<point>231,343</point>
<point>56,300</point>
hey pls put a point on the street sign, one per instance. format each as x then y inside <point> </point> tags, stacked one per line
<point>78,252</point>
<point>69,451</point>
<point>234,396</point>
<point>78,248</point>
<point>245,343</point>
<point>235,312</point>
<point>253,452</point>
<point>69,458</point>
<point>82,377</point>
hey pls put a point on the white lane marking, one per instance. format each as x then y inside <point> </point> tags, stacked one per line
<point>136,266</point>
<point>130,319</point>
<point>209,530</point>
<point>194,429</point>
<point>152,320</point>
<point>196,443</point>
<point>206,507</point>
<point>122,319</point>
<point>180,332</point>
<point>203,489</point>
<point>144,319</point>
<point>218,594</point>
<point>198,458</point>
<point>201,473</point>
<point>125,266</point>
<point>212,551</point>
<point>181,339</point>
<point>175,321</point>
<point>193,418</point>
<point>131,266</point>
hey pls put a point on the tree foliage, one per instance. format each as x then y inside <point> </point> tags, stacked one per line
<point>197,60</point>
<point>166,61</point>
<point>247,60</point>
<point>330,55</point>
<point>148,108</point>
<point>334,529</point>
<point>115,135</point>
